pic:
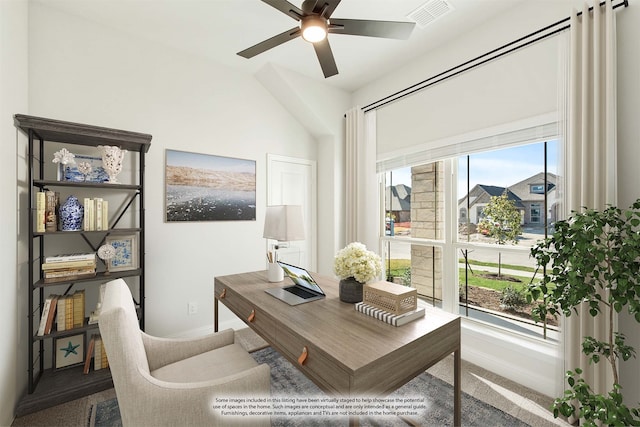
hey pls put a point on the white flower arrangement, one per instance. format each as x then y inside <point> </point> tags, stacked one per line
<point>64,157</point>
<point>356,261</point>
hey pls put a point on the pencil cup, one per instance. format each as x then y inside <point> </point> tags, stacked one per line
<point>275,272</point>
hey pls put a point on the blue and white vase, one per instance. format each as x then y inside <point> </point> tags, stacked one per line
<point>71,215</point>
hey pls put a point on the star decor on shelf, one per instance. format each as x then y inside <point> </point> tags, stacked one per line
<point>70,348</point>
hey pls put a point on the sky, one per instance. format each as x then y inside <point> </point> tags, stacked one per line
<point>207,161</point>
<point>501,168</point>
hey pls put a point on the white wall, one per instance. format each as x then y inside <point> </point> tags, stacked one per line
<point>82,72</point>
<point>518,22</point>
<point>76,70</point>
<point>320,108</point>
<point>13,99</point>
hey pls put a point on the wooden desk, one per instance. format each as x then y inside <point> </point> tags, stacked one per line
<point>345,352</point>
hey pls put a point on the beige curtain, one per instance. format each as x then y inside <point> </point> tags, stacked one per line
<point>361,204</point>
<point>591,168</point>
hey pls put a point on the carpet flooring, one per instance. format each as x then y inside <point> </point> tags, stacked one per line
<point>523,404</point>
<point>288,383</point>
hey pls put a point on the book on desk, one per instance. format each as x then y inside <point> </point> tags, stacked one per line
<point>390,318</point>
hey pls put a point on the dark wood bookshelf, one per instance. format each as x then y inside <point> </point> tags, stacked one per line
<point>47,387</point>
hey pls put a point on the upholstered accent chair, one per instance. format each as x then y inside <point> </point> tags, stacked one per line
<point>174,382</point>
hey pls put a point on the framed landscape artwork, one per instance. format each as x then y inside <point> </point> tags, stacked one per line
<point>68,351</point>
<point>203,187</point>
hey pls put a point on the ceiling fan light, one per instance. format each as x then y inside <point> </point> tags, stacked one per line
<point>314,29</point>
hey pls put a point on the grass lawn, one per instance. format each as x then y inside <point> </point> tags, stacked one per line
<point>493,264</point>
<point>484,282</point>
<point>397,267</point>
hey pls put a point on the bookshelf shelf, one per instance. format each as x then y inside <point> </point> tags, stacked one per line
<point>100,276</point>
<point>74,331</point>
<point>92,232</point>
<point>47,387</point>
<point>56,387</point>
<point>42,184</point>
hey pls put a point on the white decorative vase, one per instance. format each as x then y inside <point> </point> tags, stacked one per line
<point>112,158</point>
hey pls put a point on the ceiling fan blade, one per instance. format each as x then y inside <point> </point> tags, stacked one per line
<point>325,56</point>
<point>328,6</point>
<point>285,7</point>
<point>385,29</point>
<point>270,43</point>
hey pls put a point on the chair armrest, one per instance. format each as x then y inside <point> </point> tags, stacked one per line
<point>162,351</point>
<point>192,403</point>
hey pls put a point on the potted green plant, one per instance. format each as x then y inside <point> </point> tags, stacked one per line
<point>592,258</point>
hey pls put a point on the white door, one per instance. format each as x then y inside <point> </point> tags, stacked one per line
<point>292,181</point>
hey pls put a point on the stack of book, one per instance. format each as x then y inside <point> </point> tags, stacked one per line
<point>96,349</point>
<point>96,214</point>
<point>59,268</point>
<point>67,310</point>
<point>48,314</point>
<point>390,318</point>
<point>41,215</point>
<point>46,211</point>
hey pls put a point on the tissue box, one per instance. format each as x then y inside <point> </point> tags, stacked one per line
<point>390,297</point>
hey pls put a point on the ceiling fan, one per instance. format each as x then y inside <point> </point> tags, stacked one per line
<point>314,24</point>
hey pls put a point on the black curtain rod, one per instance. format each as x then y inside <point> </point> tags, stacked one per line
<point>461,67</point>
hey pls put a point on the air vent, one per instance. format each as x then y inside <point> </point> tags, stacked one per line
<point>430,11</point>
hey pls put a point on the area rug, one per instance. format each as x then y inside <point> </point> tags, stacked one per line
<point>288,382</point>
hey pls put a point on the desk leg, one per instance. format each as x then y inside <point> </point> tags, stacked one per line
<point>457,378</point>
<point>215,314</point>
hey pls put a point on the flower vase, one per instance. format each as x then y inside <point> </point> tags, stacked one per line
<point>112,158</point>
<point>350,290</point>
<point>71,215</point>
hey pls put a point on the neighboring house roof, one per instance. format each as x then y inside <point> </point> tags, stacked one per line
<point>524,188</point>
<point>483,193</point>
<point>520,192</point>
<point>492,190</point>
<point>400,198</point>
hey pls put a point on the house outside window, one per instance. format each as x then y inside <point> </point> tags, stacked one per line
<point>484,268</point>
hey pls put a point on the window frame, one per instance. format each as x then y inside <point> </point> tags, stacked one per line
<point>451,245</point>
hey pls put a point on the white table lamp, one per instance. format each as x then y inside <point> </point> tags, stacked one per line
<point>282,223</point>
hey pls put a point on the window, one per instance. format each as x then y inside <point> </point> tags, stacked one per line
<point>499,203</point>
<point>537,189</point>
<point>463,214</point>
<point>535,213</point>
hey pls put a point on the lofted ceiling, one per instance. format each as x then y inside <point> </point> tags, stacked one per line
<point>218,29</point>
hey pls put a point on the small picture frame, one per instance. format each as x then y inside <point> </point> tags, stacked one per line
<point>126,257</point>
<point>68,351</point>
<point>71,173</point>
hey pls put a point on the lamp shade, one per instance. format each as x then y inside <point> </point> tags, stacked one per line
<point>284,223</point>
